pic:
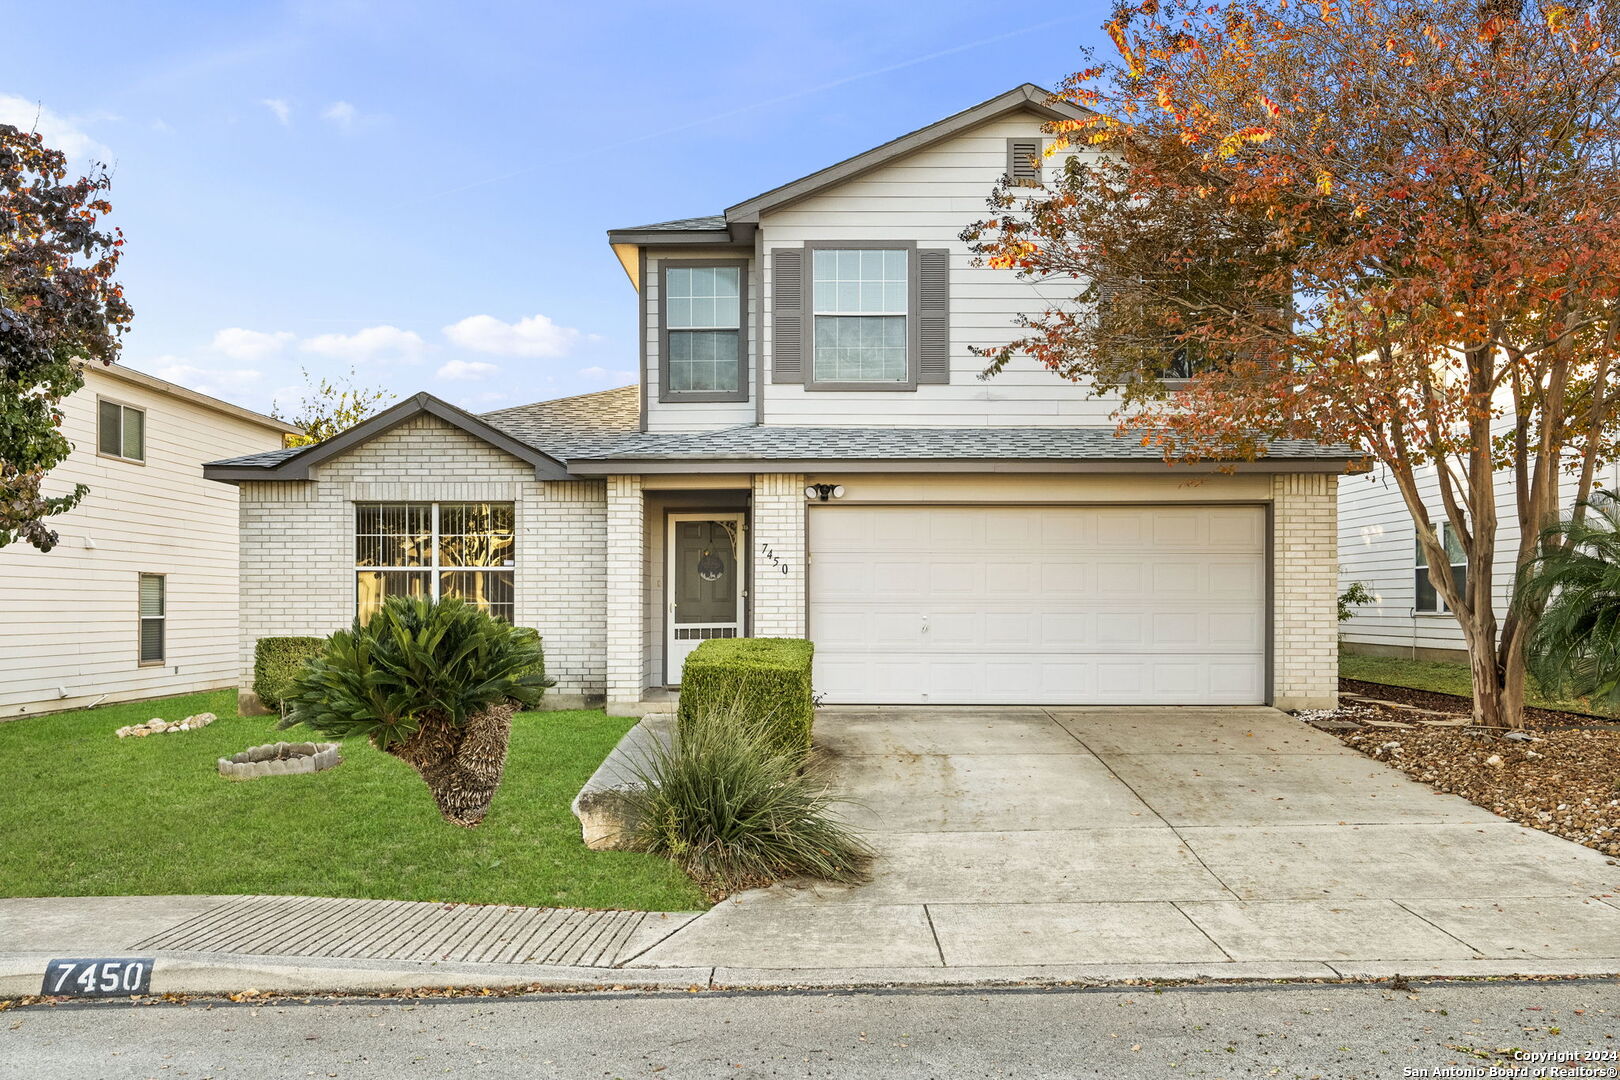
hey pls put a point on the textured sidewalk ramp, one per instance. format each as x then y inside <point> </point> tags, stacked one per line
<point>412,930</point>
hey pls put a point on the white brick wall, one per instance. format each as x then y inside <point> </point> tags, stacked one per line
<point>297,544</point>
<point>1305,574</point>
<point>626,571</point>
<point>779,572</point>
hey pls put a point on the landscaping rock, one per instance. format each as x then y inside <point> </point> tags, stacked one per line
<point>159,726</point>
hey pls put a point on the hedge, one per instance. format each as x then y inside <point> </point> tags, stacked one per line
<point>276,660</point>
<point>768,679</point>
<point>539,665</point>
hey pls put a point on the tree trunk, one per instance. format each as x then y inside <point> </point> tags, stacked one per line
<point>462,766</point>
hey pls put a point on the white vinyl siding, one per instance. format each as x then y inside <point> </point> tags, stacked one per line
<point>927,198</point>
<point>164,518</point>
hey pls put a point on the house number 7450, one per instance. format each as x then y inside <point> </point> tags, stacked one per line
<point>765,550</point>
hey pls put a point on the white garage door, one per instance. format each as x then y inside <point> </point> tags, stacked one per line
<point>1053,605</point>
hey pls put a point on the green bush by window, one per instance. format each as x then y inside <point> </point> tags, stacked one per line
<point>276,660</point>
<point>766,679</point>
<point>536,670</point>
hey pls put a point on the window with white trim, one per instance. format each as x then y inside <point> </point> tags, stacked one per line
<point>120,430</point>
<point>154,617</point>
<point>860,303</point>
<point>464,549</point>
<point>1428,597</point>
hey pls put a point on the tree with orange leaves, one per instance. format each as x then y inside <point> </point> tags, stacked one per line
<point>1388,224</point>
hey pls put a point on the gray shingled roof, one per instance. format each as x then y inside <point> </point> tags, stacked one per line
<point>691,224</point>
<point>906,443</point>
<point>602,427</point>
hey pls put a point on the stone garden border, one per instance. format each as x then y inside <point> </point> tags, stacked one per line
<point>280,759</point>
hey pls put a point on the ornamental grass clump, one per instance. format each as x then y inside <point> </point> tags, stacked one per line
<point>1574,648</point>
<point>735,810</point>
<point>434,683</point>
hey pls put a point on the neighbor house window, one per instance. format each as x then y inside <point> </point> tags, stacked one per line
<point>434,550</point>
<point>860,303</point>
<point>703,344</point>
<point>1428,597</point>
<point>121,431</point>
<point>153,614</point>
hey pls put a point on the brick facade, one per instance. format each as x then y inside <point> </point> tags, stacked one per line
<point>582,573</point>
<point>1305,577</point>
<point>297,545</point>
<point>779,555</point>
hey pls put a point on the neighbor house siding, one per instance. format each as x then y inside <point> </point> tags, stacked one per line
<point>298,569</point>
<point>929,197</point>
<point>694,415</point>
<point>69,636</point>
<point>1377,547</point>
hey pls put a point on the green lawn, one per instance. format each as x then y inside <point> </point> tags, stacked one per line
<point>1440,676</point>
<point>89,814</point>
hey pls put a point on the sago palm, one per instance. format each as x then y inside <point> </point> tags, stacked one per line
<point>433,683</point>
<point>1575,646</point>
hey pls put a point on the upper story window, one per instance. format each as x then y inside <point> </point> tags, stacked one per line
<point>861,302</point>
<point>703,346</point>
<point>120,431</point>
<point>434,550</point>
<point>1428,597</point>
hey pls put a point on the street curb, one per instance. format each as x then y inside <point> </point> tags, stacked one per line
<point>221,973</point>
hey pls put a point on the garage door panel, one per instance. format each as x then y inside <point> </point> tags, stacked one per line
<point>1060,605</point>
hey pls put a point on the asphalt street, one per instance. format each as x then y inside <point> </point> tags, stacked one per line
<point>1248,1031</point>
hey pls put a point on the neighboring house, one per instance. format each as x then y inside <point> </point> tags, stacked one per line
<point>1378,547</point>
<point>811,452</point>
<point>139,598</point>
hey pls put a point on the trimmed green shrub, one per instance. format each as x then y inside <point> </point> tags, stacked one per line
<point>534,673</point>
<point>767,680</point>
<point>276,661</point>
<point>734,813</point>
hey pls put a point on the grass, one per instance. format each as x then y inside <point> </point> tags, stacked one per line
<point>1441,677</point>
<point>88,814</point>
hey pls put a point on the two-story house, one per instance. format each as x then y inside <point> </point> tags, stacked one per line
<point>139,597</point>
<point>810,451</point>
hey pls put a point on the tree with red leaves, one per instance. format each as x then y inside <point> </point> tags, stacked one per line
<point>59,309</point>
<point>1387,224</point>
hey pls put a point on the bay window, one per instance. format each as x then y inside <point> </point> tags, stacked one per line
<point>435,550</point>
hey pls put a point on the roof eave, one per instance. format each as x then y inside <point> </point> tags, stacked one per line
<point>612,466</point>
<point>297,467</point>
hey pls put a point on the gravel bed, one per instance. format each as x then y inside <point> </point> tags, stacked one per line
<point>1561,774</point>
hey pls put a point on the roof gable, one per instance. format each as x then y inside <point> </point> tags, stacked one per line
<point>295,464</point>
<point>1025,98</point>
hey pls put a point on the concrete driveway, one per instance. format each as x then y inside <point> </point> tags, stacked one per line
<point>1226,841</point>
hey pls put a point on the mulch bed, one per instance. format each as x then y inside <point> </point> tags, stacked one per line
<point>1563,779</point>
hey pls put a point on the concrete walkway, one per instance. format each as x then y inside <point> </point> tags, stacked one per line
<point>1237,841</point>
<point>1016,846</point>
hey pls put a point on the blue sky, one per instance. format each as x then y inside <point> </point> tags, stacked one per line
<point>420,191</point>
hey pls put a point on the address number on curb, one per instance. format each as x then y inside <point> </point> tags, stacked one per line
<point>99,977</point>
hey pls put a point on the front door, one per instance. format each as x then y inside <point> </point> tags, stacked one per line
<point>704,584</point>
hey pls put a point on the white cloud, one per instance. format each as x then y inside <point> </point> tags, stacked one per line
<point>535,336</point>
<point>60,132</point>
<point>606,376</point>
<point>250,345</point>
<point>282,110</point>
<point>372,343</point>
<point>467,369</point>
<point>228,383</point>
<point>341,114</point>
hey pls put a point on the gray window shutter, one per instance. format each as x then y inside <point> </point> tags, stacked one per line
<point>787,315</point>
<point>933,316</point>
<point>1024,162</point>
